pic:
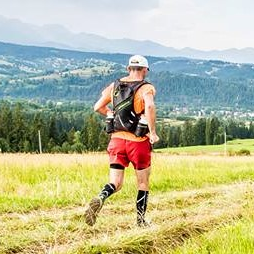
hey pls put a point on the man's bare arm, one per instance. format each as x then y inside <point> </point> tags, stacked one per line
<point>150,113</point>
<point>101,105</point>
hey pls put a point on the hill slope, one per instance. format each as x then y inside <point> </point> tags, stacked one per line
<point>42,73</point>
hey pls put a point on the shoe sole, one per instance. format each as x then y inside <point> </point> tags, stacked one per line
<point>93,209</point>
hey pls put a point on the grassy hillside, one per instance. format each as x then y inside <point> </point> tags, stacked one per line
<point>41,73</point>
<point>231,148</point>
<point>197,204</point>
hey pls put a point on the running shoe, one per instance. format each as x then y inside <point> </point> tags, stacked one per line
<point>92,210</point>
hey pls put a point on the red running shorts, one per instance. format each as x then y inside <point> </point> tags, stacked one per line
<point>122,151</point>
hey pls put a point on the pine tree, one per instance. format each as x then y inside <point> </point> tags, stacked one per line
<point>187,134</point>
<point>19,131</point>
<point>208,140</point>
<point>199,132</point>
<point>251,130</point>
<point>163,134</point>
<point>6,124</point>
<point>214,129</point>
<point>37,125</point>
<point>53,132</point>
<point>93,132</point>
<point>4,146</point>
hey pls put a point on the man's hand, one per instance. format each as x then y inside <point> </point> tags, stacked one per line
<point>153,138</point>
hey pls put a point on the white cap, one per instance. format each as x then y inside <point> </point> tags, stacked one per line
<point>138,61</point>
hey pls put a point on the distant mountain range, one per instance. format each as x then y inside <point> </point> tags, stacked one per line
<point>15,31</point>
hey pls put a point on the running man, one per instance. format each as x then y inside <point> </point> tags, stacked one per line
<point>133,99</point>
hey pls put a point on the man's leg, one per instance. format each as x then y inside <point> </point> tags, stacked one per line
<point>143,192</point>
<point>116,177</point>
<point>139,154</point>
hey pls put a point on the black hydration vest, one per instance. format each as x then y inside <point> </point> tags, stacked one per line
<point>125,117</point>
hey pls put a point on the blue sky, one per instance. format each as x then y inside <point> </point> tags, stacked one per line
<point>215,24</point>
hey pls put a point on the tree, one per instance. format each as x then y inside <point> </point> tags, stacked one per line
<point>251,130</point>
<point>215,124</point>
<point>187,134</point>
<point>6,124</point>
<point>104,139</point>
<point>93,130</point>
<point>4,146</point>
<point>232,128</point>
<point>212,126</point>
<point>199,132</point>
<point>19,131</point>
<point>77,146</point>
<point>38,124</point>
<point>71,136</point>
<point>53,132</point>
<point>208,139</point>
<point>27,146</point>
<point>163,133</point>
<point>219,136</point>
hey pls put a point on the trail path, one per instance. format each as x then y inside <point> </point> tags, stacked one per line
<point>175,216</point>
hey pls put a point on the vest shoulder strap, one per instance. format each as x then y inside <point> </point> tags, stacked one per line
<point>135,85</point>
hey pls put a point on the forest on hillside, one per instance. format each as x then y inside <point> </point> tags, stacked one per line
<point>41,74</point>
<point>172,89</point>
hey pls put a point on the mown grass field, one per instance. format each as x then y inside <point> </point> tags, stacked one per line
<point>197,204</point>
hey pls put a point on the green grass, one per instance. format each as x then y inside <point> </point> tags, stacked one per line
<point>197,204</point>
<point>30,182</point>
<point>232,146</point>
<point>236,238</point>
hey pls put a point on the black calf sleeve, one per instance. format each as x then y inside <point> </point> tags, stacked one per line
<point>141,205</point>
<point>107,191</point>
